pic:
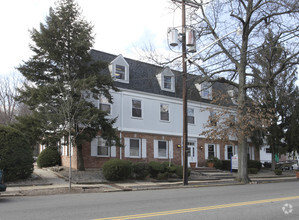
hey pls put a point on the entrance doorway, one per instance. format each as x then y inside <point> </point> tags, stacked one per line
<point>192,152</point>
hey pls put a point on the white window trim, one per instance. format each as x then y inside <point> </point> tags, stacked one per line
<point>167,121</point>
<point>127,148</point>
<point>193,116</point>
<point>135,117</point>
<point>99,104</point>
<point>160,77</point>
<point>200,87</point>
<point>109,148</point>
<point>120,60</point>
<point>226,151</point>
<point>169,152</point>
<point>171,81</point>
<point>216,150</point>
<point>94,149</point>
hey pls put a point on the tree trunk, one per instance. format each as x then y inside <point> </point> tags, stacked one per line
<point>81,166</point>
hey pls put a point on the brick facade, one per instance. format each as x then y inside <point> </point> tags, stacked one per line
<point>97,161</point>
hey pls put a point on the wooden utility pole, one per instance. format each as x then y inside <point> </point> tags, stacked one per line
<point>184,96</point>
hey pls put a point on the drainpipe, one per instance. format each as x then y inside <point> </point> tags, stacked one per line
<point>121,123</point>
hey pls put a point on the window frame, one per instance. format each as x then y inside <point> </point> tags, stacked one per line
<point>190,116</point>
<point>139,147</point>
<point>132,109</point>
<point>121,72</point>
<point>102,140</point>
<point>168,112</point>
<point>169,83</point>
<point>166,149</point>
<point>103,101</point>
<point>214,146</point>
<point>232,152</point>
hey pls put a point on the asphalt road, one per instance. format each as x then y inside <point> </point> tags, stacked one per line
<point>261,201</point>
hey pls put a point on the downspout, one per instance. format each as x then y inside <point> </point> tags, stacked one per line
<point>121,124</point>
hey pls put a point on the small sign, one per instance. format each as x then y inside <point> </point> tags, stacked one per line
<point>234,162</point>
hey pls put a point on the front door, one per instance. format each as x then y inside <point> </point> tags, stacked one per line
<point>192,152</point>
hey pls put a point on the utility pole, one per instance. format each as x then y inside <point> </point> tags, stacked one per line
<point>184,97</point>
<point>184,92</point>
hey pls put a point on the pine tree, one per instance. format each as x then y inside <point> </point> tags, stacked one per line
<point>63,77</point>
<point>278,76</point>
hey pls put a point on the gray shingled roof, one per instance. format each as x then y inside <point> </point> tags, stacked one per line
<point>143,78</point>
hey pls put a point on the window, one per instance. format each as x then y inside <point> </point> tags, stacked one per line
<point>120,72</point>
<point>167,82</point>
<point>136,108</point>
<point>162,149</point>
<point>230,152</point>
<point>206,90</point>
<point>232,120</point>
<point>268,150</point>
<point>103,148</point>
<point>119,69</point>
<point>134,148</point>
<point>211,151</point>
<point>190,115</point>
<point>164,112</point>
<point>105,105</point>
<point>213,119</point>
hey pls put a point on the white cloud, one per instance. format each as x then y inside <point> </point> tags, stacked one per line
<point>118,26</point>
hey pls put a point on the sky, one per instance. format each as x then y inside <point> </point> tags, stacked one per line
<point>120,26</point>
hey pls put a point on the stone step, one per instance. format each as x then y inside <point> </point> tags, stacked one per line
<point>220,175</point>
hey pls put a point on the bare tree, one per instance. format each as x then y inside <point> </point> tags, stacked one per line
<point>228,60</point>
<point>9,107</point>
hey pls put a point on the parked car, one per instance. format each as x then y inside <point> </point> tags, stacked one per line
<point>2,185</point>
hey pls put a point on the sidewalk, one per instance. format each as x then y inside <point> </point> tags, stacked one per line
<point>49,182</point>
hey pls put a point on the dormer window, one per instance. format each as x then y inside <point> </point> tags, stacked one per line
<point>119,69</point>
<point>205,90</point>
<point>166,80</point>
<point>120,72</point>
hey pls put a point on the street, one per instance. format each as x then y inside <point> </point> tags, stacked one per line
<point>256,201</point>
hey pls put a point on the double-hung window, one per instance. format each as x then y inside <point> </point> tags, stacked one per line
<point>167,82</point>
<point>105,105</point>
<point>120,72</point>
<point>136,108</point>
<point>135,148</point>
<point>190,115</point>
<point>103,149</point>
<point>164,112</point>
<point>211,151</point>
<point>230,151</point>
<point>162,149</point>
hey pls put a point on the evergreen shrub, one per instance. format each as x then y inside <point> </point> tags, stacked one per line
<point>254,164</point>
<point>140,170</point>
<point>117,169</point>
<point>49,157</point>
<point>16,159</point>
<point>278,171</point>
<point>156,168</point>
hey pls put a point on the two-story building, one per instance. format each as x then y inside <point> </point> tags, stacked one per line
<point>149,112</point>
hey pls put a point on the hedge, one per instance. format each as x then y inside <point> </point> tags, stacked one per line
<point>16,159</point>
<point>117,169</point>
